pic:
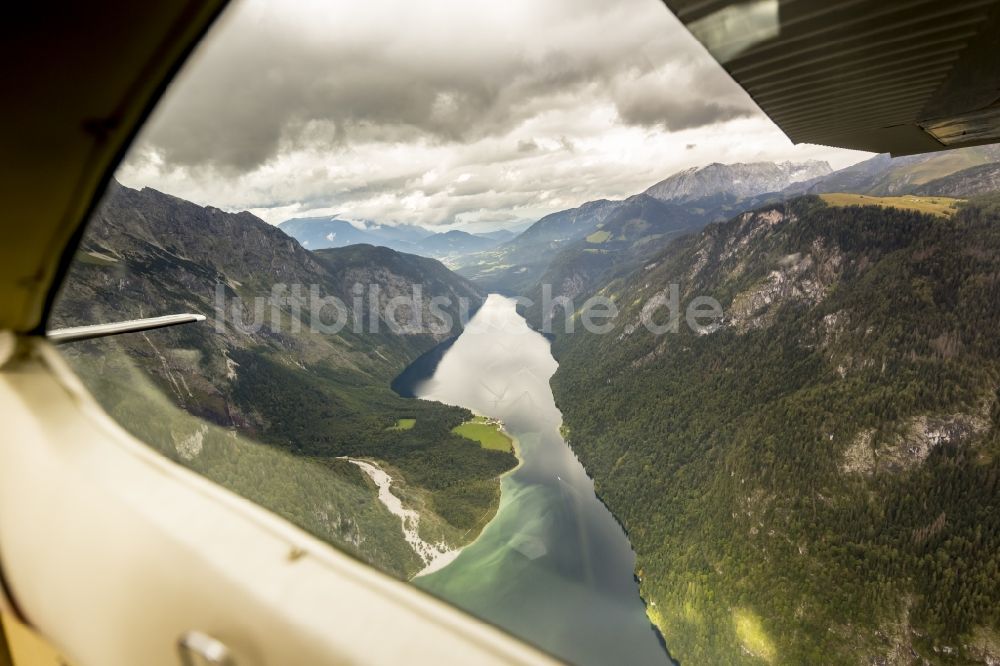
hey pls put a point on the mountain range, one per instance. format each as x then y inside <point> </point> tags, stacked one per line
<point>814,479</point>
<point>739,181</point>
<point>683,202</point>
<point>315,233</point>
<point>512,262</point>
<point>257,398</point>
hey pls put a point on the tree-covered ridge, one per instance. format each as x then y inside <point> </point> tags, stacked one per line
<point>267,406</point>
<point>640,226</point>
<point>817,480</point>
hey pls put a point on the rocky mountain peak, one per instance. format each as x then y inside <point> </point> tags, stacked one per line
<point>739,180</point>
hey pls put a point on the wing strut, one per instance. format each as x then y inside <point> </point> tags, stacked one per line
<point>63,335</point>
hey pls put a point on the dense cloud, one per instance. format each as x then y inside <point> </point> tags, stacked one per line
<point>683,94</point>
<point>441,111</point>
<point>351,72</point>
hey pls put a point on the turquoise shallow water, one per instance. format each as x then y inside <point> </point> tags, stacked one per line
<point>553,566</point>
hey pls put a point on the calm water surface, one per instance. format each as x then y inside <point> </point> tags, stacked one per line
<point>553,566</point>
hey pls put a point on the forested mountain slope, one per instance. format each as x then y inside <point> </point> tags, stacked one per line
<point>370,265</point>
<point>205,394</point>
<point>516,265</point>
<point>818,479</point>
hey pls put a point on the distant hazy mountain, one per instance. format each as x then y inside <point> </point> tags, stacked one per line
<point>454,242</point>
<point>315,233</point>
<point>409,233</point>
<point>500,235</point>
<point>736,180</point>
<point>514,266</point>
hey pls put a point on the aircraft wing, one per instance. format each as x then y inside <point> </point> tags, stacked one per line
<point>895,76</point>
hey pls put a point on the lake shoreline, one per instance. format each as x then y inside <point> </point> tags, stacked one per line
<point>564,431</point>
<point>515,444</point>
<point>445,557</point>
<point>635,574</point>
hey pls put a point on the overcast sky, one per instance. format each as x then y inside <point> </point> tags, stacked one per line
<point>445,113</point>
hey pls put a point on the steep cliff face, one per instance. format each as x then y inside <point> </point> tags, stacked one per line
<point>262,370</point>
<point>816,477</point>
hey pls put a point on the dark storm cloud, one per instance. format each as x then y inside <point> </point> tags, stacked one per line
<point>651,110</point>
<point>527,146</point>
<point>684,93</point>
<point>275,80</point>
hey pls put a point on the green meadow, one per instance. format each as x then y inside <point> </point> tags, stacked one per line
<point>403,424</point>
<point>940,206</point>
<point>486,432</point>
